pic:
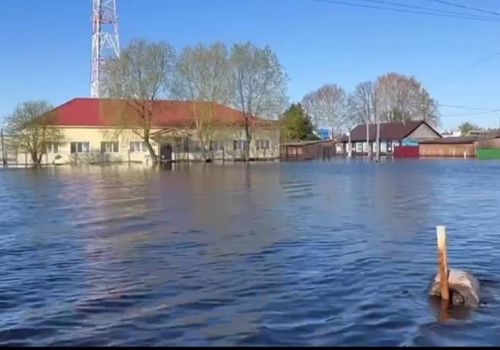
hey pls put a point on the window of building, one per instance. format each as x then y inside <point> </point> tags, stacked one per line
<point>138,146</point>
<point>194,146</point>
<point>389,146</point>
<point>109,147</point>
<point>52,147</point>
<point>185,144</point>
<point>359,147</point>
<point>80,147</point>
<point>216,146</point>
<point>263,144</point>
<point>239,145</point>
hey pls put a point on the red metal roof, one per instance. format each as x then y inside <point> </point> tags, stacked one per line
<point>388,131</point>
<point>93,112</point>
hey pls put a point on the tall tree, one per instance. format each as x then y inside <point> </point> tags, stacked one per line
<point>259,83</point>
<point>296,124</point>
<point>33,127</point>
<point>140,76</point>
<point>362,103</point>
<point>202,76</point>
<point>404,97</point>
<point>327,107</point>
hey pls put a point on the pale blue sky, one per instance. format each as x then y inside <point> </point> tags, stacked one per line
<point>46,45</point>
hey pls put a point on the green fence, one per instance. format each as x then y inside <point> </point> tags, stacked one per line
<point>488,153</point>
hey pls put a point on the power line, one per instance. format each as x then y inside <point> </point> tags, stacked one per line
<point>435,12</point>
<point>417,104</point>
<point>483,110</point>
<point>441,77</point>
<point>465,7</point>
<point>467,107</point>
<point>428,9</point>
<point>465,16</point>
<point>470,114</point>
<point>483,60</point>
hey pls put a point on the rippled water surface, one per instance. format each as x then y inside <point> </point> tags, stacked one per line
<point>320,253</point>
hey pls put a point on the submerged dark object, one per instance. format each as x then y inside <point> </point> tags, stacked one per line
<point>464,288</point>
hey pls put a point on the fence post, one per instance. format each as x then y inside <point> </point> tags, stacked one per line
<point>443,263</point>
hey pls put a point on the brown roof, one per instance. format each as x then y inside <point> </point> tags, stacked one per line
<point>388,131</point>
<point>450,140</point>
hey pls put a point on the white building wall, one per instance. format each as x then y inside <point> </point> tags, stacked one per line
<point>94,136</point>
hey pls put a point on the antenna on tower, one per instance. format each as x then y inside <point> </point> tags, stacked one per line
<point>105,42</point>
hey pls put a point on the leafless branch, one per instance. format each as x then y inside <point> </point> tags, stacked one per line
<point>141,75</point>
<point>259,84</point>
<point>327,107</point>
<point>33,127</point>
<point>202,76</point>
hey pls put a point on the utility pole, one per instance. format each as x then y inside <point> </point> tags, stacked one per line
<point>378,132</point>
<point>368,151</point>
<point>4,161</point>
<point>350,144</point>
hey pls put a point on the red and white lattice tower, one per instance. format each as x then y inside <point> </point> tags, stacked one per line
<point>105,41</point>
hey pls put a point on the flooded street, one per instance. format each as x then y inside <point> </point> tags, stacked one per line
<point>319,253</point>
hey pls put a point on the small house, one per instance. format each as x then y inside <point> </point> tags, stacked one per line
<point>307,150</point>
<point>364,136</point>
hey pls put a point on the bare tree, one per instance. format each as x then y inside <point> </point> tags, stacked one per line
<point>140,76</point>
<point>259,83</point>
<point>202,76</point>
<point>400,98</point>
<point>33,127</point>
<point>362,103</point>
<point>328,107</point>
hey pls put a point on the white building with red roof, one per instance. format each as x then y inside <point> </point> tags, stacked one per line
<point>110,130</point>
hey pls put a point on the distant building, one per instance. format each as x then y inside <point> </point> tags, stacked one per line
<point>391,135</point>
<point>324,134</point>
<point>456,133</point>
<point>483,132</point>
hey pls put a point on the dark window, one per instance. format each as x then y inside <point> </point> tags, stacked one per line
<point>263,144</point>
<point>239,145</point>
<point>109,147</point>
<point>52,147</point>
<point>216,145</point>
<point>80,147</point>
<point>138,146</point>
<point>195,146</point>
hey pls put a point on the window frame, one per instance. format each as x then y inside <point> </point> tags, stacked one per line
<point>113,148</point>
<point>76,144</point>
<point>220,145</point>
<point>240,143</point>
<point>142,147</point>
<point>52,147</point>
<point>258,144</point>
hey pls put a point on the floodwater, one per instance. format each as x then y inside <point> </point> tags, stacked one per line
<point>322,253</point>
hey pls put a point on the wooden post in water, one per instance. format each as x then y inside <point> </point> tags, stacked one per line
<point>443,263</point>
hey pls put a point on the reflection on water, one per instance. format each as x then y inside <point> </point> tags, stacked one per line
<point>319,253</point>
